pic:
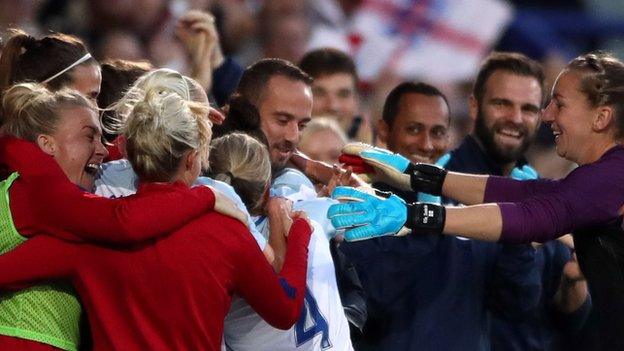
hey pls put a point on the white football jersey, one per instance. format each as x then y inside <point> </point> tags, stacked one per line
<point>322,325</point>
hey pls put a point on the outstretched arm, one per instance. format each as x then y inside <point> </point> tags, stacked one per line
<point>581,200</point>
<point>398,172</point>
<point>43,199</point>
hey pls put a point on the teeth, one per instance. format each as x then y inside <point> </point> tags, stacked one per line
<point>510,132</point>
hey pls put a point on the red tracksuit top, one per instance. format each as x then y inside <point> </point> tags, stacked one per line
<point>43,200</point>
<point>171,293</point>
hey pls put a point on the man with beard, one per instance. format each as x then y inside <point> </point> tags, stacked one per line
<point>430,292</point>
<point>505,106</point>
<point>274,102</point>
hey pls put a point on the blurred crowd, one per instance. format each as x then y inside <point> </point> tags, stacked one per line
<point>247,30</point>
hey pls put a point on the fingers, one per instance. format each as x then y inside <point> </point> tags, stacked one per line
<point>356,148</point>
<point>357,164</point>
<point>357,234</point>
<point>348,193</point>
<point>358,181</point>
<point>383,159</point>
<point>345,177</point>
<point>300,214</point>
<point>194,16</point>
<point>567,240</point>
<point>350,214</point>
<point>215,116</point>
<point>363,232</point>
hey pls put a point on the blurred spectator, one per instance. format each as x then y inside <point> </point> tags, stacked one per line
<point>120,44</point>
<point>322,140</point>
<point>416,122</point>
<point>218,74</point>
<point>20,14</point>
<point>283,29</point>
<point>335,90</point>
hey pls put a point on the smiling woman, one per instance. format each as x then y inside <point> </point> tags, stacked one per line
<point>586,114</point>
<point>61,129</point>
<point>192,272</point>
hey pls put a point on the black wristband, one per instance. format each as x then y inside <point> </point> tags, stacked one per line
<point>426,178</point>
<point>425,218</point>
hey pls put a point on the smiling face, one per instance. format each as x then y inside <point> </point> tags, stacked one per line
<point>285,108</point>
<point>76,145</point>
<point>420,128</point>
<point>508,115</point>
<point>570,116</point>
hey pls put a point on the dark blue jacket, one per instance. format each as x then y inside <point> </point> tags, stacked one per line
<point>436,292</point>
<point>547,328</point>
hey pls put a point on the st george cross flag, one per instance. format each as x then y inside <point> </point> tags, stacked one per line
<point>433,40</point>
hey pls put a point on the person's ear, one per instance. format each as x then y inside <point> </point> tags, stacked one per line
<point>47,144</point>
<point>190,159</point>
<point>603,118</point>
<point>383,131</point>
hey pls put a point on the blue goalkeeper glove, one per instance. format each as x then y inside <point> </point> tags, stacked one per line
<point>397,171</point>
<point>366,216</point>
<point>525,173</point>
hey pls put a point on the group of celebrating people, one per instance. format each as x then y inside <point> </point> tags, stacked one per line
<point>129,227</point>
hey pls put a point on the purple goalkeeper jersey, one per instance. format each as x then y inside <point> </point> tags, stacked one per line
<point>586,203</point>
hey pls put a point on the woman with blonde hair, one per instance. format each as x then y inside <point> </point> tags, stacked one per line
<point>53,139</point>
<point>178,288</point>
<point>119,179</point>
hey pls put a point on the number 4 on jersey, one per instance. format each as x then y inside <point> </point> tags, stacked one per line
<point>311,322</point>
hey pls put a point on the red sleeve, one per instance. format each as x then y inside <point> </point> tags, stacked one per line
<point>50,203</point>
<point>277,299</point>
<point>37,259</point>
<point>61,209</point>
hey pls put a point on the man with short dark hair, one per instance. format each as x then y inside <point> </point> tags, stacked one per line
<point>505,105</point>
<point>282,94</point>
<point>277,97</point>
<point>463,284</point>
<point>428,292</point>
<point>335,90</point>
<point>415,122</point>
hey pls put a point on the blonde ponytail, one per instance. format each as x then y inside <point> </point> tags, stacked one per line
<point>160,128</point>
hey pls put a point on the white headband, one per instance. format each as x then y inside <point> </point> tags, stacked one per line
<point>79,61</point>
